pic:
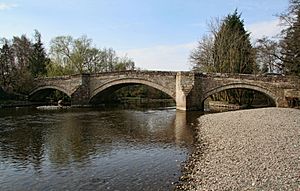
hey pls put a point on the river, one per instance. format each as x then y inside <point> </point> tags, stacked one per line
<point>93,149</point>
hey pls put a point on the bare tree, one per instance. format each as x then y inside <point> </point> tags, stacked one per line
<point>268,55</point>
<point>202,56</point>
<point>291,38</point>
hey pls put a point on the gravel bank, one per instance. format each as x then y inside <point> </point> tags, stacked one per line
<point>246,150</point>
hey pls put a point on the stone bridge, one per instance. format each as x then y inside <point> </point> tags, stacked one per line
<point>188,89</point>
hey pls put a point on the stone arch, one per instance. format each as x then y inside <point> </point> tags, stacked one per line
<point>241,86</point>
<point>49,87</point>
<point>110,84</point>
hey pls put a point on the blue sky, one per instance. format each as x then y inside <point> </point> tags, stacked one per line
<point>156,34</point>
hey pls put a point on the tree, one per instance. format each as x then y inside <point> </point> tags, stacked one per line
<point>22,48</point>
<point>124,63</point>
<point>288,18</point>
<point>202,57</point>
<point>20,61</point>
<point>22,51</point>
<point>93,60</point>
<point>76,55</point>
<point>291,41</point>
<point>61,50</point>
<point>38,59</point>
<point>79,56</point>
<point>55,69</point>
<point>108,59</point>
<point>232,50</point>
<point>6,66</point>
<point>227,50</point>
<point>268,55</point>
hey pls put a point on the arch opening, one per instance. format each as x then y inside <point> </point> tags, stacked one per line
<point>131,95</point>
<point>49,96</point>
<point>235,97</point>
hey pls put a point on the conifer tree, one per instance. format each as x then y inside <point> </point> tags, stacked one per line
<point>38,58</point>
<point>232,50</point>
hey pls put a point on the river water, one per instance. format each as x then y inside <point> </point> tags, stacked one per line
<point>93,149</point>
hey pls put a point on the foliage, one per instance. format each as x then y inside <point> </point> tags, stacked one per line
<point>282,56</point>
<point>291,41</point>
<point>6,66</point>
<point>38,58</point>
<point>227,49</point>
<point>232,51</point>
<point>22,50</point>
<point>71,56</point>
<point>21,59</point>
<point>14,64</point>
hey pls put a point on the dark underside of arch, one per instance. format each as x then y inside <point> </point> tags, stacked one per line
<point>113,93</point>
<point>246,97</point>
<point>48,96</point>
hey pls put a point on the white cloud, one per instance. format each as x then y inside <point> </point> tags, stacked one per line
<point>6,6</point>
<point>163,57</point>
<point>265,28</point>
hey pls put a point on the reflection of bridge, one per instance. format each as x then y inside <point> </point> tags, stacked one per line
<point>188,89</point>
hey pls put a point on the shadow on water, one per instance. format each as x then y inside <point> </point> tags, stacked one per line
<point>96,148</point>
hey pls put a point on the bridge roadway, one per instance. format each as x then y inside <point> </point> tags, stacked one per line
<point>188,89</point>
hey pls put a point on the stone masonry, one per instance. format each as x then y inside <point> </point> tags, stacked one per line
<point>188,89</point>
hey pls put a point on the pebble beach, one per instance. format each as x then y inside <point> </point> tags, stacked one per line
<point>256,149</point>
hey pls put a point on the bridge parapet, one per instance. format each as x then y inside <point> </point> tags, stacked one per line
<point>258,77</point>
<point>135,72</point>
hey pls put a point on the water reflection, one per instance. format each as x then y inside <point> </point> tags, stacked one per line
<point>93,149</point>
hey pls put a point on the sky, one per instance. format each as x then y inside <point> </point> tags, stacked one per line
<point>155,34</point>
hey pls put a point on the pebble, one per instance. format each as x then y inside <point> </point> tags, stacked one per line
<point>245,150</point>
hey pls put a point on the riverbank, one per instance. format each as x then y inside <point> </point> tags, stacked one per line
<point>246,150</point>
<point>14,103</point>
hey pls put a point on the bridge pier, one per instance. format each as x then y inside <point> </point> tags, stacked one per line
<point>187,92</point>
<point>289,99</point>
<point>81,96</point>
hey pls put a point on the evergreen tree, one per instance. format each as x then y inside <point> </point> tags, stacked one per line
<point>232,50</point>
<point>38,59</point>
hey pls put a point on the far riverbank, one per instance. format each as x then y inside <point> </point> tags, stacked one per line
<point>14,104</point>
<point>246,150</point>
